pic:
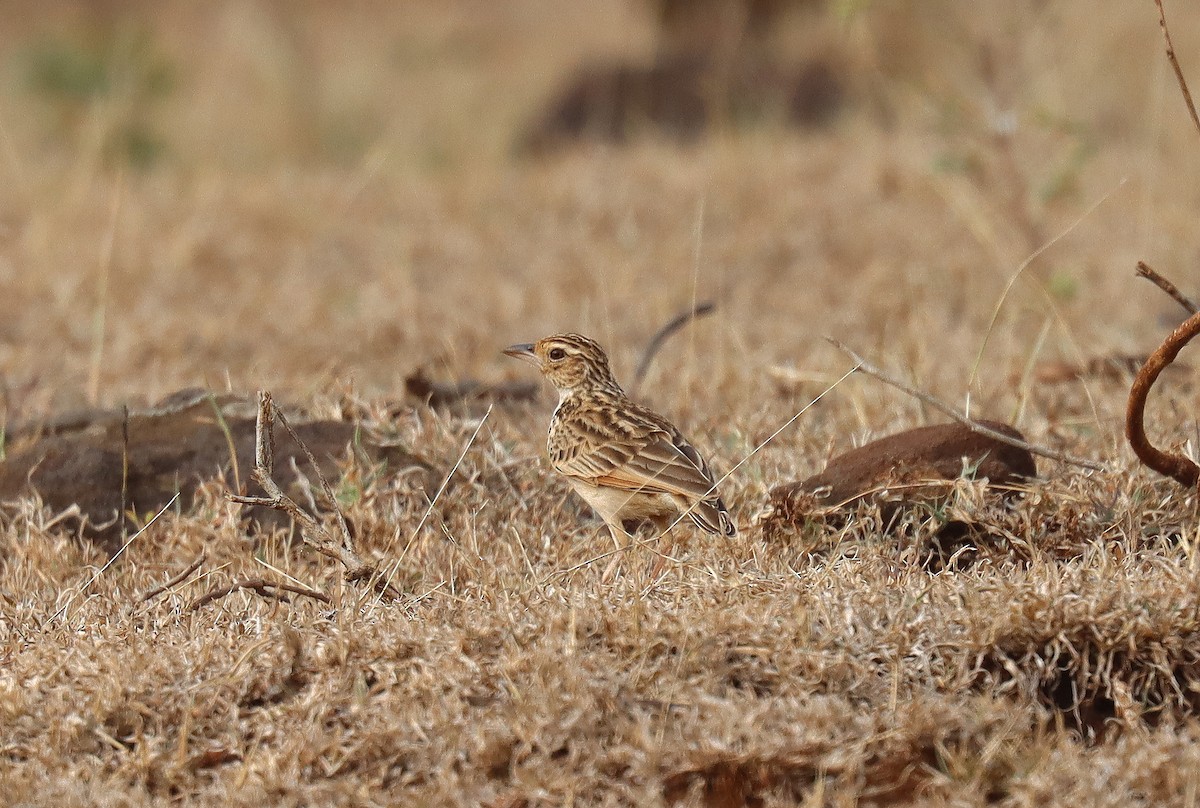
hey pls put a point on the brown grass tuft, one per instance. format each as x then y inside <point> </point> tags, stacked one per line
<point>320,200</point>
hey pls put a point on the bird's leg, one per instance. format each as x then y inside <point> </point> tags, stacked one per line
<point>621,540</point>
<point>619,537</point>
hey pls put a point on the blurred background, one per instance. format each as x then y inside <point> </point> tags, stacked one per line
<point>311,194</point>
<point>429,86</point>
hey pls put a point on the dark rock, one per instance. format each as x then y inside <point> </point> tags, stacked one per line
<point>81,459</point>
<point>682,98</point>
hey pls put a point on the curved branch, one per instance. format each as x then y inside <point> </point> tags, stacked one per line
<point>263,588</point>
<point>656,342</point>
<point>1169,464</point>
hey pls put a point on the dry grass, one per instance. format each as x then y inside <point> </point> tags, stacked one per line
<point>333,206</point>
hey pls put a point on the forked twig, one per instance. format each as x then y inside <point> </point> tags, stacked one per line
<point>1146,271</point>
<point>312,532</point>
<point>176,580</point>
<point>1170,464</point>
<point>656,342</point>
<point>261,587</point>
<point>1183,88</point>
<point>871,370</point>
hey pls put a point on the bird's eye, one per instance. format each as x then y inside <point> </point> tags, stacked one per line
<point>557,354</point>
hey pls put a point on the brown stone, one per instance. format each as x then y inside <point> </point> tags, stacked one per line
<point>914,465</point>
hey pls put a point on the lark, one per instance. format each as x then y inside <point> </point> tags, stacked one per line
<point>626,461</point>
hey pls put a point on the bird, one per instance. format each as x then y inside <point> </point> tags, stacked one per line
<point>626,461</point>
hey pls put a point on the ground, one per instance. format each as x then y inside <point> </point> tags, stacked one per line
<point>321,201</point>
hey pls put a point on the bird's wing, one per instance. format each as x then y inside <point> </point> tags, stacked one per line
<point>639,454</point>
<point>665,466</point>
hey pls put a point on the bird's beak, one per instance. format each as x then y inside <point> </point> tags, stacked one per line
<point>523,351</point>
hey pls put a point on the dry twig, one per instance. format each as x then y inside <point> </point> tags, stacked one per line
<point>1146,271</point>
<point>1183,88</point>
<point>656,342</point>
<point>871,370</point>
<point>312,532</point>
<point>124,471</point>
<point>261,587</point>
<point>347,537</point>
<point>176,580</point>
<point>1170,464</point>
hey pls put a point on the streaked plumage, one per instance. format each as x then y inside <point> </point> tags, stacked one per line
<point>626,461</point>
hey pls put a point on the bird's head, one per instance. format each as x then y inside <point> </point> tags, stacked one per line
<point>571,362</point>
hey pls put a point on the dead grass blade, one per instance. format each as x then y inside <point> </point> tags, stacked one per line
<point>395,567</point>
<point>1012,281</point>
<point>229,442</point>
<point>63,611</point>
<point>973,425</point>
